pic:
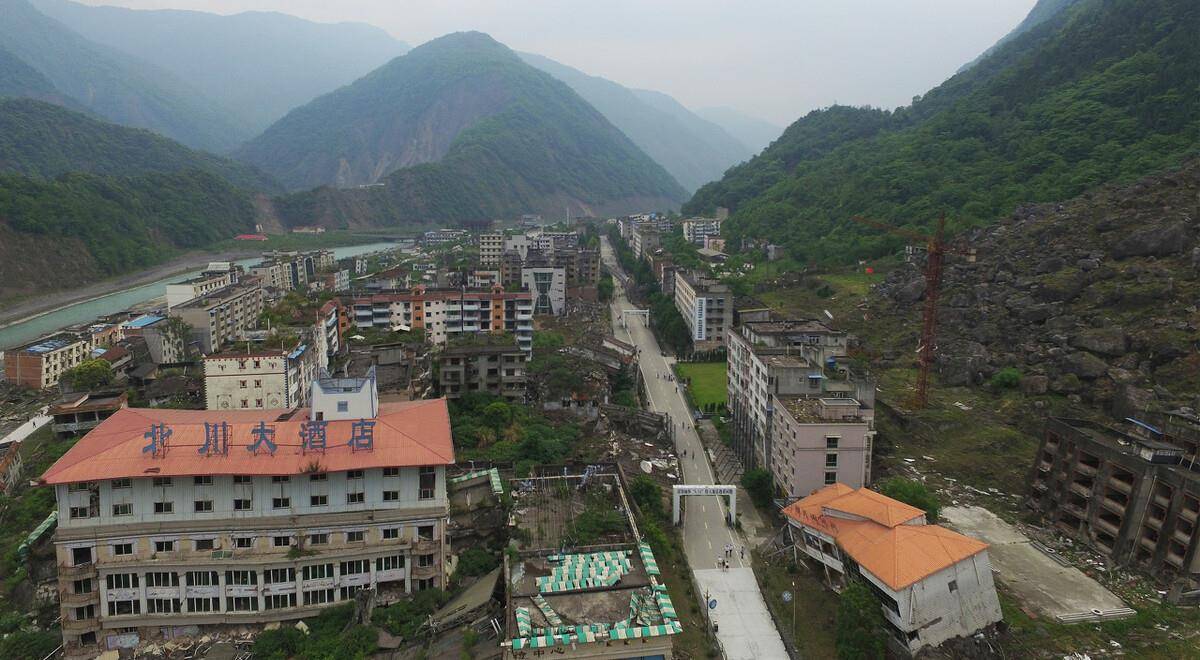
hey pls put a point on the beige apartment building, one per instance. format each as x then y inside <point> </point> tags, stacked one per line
<point>223,316</point>
<point>181,517</point>
<point>818,441</point>
<point>259,379</point>
<point>707,308</point>
<point>40,365</point>
<point>491,246</point>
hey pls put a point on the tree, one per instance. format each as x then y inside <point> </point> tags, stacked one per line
<point>758,483</point>
<point>89,375</point>
<point>648,496</point>
<point>913,492</point>
<point>859,623</point>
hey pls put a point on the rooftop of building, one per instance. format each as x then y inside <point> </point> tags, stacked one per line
<point>142,321</point>
<point>1143,441</point>
<point>206,276</point>
<point>569,586</point>
<point>702,283</point>
<point>406,434</point>
<point>884,536</point>
<point>812,410</point>
<point>50,344</point>
<point>88,402</point>
<point>787,326</point>
<point>221,295</point>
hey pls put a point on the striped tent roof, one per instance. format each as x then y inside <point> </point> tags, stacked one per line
<point>524,621</point>
<point>648,559</point>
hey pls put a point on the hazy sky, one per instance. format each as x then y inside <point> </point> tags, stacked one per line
<point>775,59</point>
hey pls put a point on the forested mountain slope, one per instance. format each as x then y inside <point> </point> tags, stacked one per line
<point>113,85</point>
<point>695,151</point>
<point>1103,92</point>
<point>43,140</point>
<point>258,65</point>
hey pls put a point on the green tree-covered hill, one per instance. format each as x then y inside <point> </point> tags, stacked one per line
<point>114,85</point>
<point>1104,90</point>
<point>42,140</point>
<point>458,129</point>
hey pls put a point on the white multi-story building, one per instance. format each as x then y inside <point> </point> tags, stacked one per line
<point>695,230</point>
<point>41,364</point>
<point>444,313</point>
<point>519,243</point>
<point>932,584</point>
<point>213,518</point>
<point>707,308</point>
<point>210,280</point>
<point>549,289</point>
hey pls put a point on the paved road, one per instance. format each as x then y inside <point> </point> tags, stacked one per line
<point>745,628</point>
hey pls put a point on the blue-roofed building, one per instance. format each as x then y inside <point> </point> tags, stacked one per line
<point>40,365</point>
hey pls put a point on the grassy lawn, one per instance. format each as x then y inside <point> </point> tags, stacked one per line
<point>708,381</point>
<point>814,607</point>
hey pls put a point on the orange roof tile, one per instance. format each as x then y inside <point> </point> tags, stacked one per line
<point>407,434</point>
<point>896,553</point>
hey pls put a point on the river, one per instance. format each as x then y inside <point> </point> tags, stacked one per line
<point>87,310</point>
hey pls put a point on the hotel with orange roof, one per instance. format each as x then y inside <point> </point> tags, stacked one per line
<point>933,584</point>
<point>173,518</point>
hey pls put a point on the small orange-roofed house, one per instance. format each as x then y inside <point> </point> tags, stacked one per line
<point>173,518</point>
<point>934,584</point>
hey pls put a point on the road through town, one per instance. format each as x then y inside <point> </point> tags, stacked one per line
<point>744,626</point>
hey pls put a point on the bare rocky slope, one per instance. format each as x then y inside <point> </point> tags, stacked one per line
<point>1095,298</point>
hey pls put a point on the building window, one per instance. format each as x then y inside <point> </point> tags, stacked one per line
<point>79,512</point>
<point>204,544</point>
<point>85,613</point>
<point>122,509</point>
<point>243,505</point>
<point>279,601</point>
<point>124,607</point>
<point>318,596</point>
<point>243,542</point>
<point>425,560</point>
<point>318,477</point>
<point>831,460</point>
<point>279,576</point>
<point>354,474</point>
<point>81,556</point>
<point>317,572</point>
<point>164,546</point>
<point>205,480</point>
<point>121,581</point>
<point>318,539</point>
<point>953,585</point>
<point>161,481</point>
<point>389,563</point>
<point>116,484</point>
<point>391,496</point>
<point>343,406</point>
<point>83,586</point>
<point>162,579</point>
<point>281,502</point>
<point>203,506</point>
<point>282,541</point>
<point>241,578</point>
<point>425,532</point>
<point>258,403</point>
<point>79,487</point>
<point>278,479</point>
<point>356,567</point>
<point>245,403</point>
<point>830,478</point>
<point>318,500</point>
<point>356,536</point>
<point>201,579</point>
<point>242,480</point>
<point>390,533</point>
<point>163,606</point>
<point>831,441</point>
<point>242,384</point>
<point>427,482</point>
<point>354,498</point>
<point>391,471</point>
<point>122,549</point>
<point>203,604</point>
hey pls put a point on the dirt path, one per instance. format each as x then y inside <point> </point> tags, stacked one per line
<point>11,313</point>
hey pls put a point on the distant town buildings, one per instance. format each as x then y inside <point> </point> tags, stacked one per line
<point>217,275</point>
<point>41,364</point>
<point>491,246</point>
<point>442,236</point>
<point>706,306</point>
<point>549,289</point>
<point>172,518</point>
<point>481,366</point>
<point>696,230</point>
<point>932,584</point>
<point>445,313</point>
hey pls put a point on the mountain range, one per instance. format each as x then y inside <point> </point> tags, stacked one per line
<point>458,129</point>
<point>754,133</point>
<point>1103,92</point>
<point>256,65</point>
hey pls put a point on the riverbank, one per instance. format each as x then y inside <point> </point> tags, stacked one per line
<point>25,309</point>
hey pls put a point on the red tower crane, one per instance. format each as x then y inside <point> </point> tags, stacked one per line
<point>936,251</point>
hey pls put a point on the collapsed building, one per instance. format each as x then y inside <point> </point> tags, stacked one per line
<point>1132,492</point>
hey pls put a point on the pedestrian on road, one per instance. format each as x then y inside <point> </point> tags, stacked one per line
<point>743,552</point>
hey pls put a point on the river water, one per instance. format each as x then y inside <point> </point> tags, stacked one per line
<point>82,312</point>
